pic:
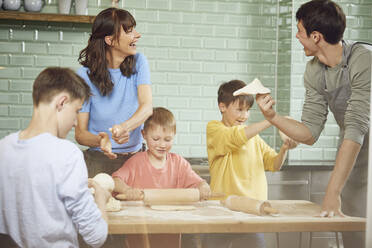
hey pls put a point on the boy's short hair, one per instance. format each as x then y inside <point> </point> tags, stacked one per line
<point>323,16</point>
<point>162,117</point>
<point>226,90</point>
<point>54,80</point>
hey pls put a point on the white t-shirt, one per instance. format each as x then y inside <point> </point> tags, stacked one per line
<point>44,195</point>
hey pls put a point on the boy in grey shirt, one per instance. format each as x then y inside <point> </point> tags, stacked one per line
<point>44,195</point>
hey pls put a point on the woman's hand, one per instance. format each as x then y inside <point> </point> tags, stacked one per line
<point>105,145</point>
<point>120,133</point>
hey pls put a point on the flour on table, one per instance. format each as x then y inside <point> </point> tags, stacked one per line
<point>172,207</point>
<point>113,205</point>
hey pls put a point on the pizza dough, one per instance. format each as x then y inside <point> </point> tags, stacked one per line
<point>172,207</point>
<point>105,181</point>
<point>255,87</point>
<point>113,205</point>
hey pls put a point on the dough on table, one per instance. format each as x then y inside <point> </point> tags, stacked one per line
<point>113,205</point>
<point>172,207</point>
<point>255,87</point>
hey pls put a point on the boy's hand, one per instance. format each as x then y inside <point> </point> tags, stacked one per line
<point>204,191</point>
<point>266,103</point>
<point>105,145</point>
<point>120,133</point>
<point>133,194</point>
<point>288,143</point>
<point>100,194</point>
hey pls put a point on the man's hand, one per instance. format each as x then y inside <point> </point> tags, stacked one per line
<point>331,206</point>
<point>120,133</point>
<point>105,145</point>
<point>266,103</point>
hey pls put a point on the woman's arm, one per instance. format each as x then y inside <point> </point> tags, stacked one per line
<point>86,138</point>
<point>82,135</point>
<point>120,133</point>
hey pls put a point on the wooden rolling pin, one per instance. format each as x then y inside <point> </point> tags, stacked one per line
<point>248,205</point>
<point>169,196</point>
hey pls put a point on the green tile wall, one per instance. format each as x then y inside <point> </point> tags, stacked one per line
<point>192,46</point>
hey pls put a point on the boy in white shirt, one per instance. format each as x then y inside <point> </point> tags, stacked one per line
<point>44,195</point>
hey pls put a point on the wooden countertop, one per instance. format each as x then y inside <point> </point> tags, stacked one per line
<point>211,217</point>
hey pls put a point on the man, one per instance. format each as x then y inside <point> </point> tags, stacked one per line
<point>338,77</point>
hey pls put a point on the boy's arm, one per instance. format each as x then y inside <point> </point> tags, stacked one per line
<point>255,128</point>
<point>288,143</point>
<point>222,139</point>
<point>130,193</point>
<point>101,197</point>
<point>78,200</point>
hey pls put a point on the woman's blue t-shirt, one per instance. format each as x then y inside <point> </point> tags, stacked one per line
<point>118,106</point>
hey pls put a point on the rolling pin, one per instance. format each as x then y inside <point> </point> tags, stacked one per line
<point>169,196</point>
<point>248,205</point>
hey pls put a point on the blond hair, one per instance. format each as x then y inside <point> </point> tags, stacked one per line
<point>162,117</point>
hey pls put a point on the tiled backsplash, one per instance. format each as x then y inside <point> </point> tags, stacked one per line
<point>192,46</point>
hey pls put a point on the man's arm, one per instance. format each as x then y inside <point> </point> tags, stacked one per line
<point>356,121</point>
<point>345,161</point>
<point>292,128</point>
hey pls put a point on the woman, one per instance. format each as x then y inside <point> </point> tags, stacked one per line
<point>110,122</point>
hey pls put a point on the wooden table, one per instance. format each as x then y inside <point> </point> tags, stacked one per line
<point>212,217</point>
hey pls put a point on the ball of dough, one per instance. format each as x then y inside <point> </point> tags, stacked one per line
<point>105,181</point>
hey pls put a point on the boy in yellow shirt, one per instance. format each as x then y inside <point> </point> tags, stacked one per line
<point>238,157</point>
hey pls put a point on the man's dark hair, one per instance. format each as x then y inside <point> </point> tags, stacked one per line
<point>323,16</point>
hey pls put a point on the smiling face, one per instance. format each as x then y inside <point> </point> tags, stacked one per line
<point>234,114</point>
<point>126,43</point>
<point>159,141</point>
<point>67,116</point>
<point>307,42</point>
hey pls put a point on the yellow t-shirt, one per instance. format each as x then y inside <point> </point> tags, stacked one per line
<point>237,165</point>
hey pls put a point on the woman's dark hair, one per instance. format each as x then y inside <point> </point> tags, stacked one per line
<point>108,22</point>
<point>323,16</point>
